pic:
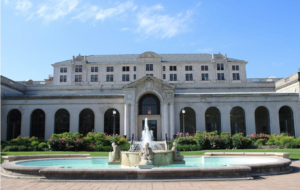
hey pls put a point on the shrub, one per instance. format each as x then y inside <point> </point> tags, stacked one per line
<point>43,145</point>
<point>23,148</point>
<point>292,145</point>
<point>277,143</point>
<point>185,140</point>
<point>270,142</point>
<point>11,148</point>
<point>261,141</point>
<point>35,143</point>
<point>125,146</point>
<point>286,139</point>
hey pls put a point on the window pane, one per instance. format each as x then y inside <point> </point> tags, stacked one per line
<point>92,69</point>
<point>14,119</point>
<point>237,68</point>
<point>175,77</point>
<point>86,121</point>
<point>262,122</point>
<point>233,67</point>
<point>237,120</point>
<point>96,69</point>
<point>164,76</point>
<point>149,104</point>
<point>62,121</point>
<point>171,77</point>
<point>164,68</point>
<point>61,70</point>
<point>213,120</point>
<point>37,128</point>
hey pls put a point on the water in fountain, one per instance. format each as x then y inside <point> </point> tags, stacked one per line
<point>147,136</point>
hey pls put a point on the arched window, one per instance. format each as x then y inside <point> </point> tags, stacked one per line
<point>189,118</point>
<point>149,104</point>
<point>62,121</point>
<point>111,120</point>
<point>14,118</point>
<point>286,120</point>
<point>262,121</point>
<point>86,121</point>
<point>237,120</point>
<point>213,120</point>
<point>37,128</point>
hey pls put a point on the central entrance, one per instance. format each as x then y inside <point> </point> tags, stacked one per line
<point>149,107</point>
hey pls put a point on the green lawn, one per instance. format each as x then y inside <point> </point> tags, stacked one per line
<point>295,153</point>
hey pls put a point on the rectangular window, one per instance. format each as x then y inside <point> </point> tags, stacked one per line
<point>149,67</point>
<point>78,78</point>
<point>188,68</point>
<point>173,68</point>
<point>63,70</point>
<point>236,76</point>
<point>94,78</point>
<point>189,77</point>
<point>78,68</point>
<point>126,68</point>
<point>149,74</point>
<point>94,69</point>
<point>235,67</point>
<point>109,69</point>
<point>220,66</point>
<point>125,77</point>
<point>173,77</point>
<point>63,78</point>
<point>221,76</point>
<point>205,76</point>
<point>134,68</point>
<point>204,68</point>
<point>164,76</point>
<point>109,78</point>
<point>164,68</point>
<point>134,77</point>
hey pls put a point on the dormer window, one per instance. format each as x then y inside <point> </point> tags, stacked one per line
<point>149,67</point>
<point>78,68</point>
<point>220,66</point>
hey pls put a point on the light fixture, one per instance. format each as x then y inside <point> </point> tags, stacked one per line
<point>149,111</point>
<point>183,111</point>
<point>114,112</point>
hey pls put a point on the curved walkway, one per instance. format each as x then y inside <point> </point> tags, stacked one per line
<point>286,181</point>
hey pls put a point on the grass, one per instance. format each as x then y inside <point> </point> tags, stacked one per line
<point>295,153</point>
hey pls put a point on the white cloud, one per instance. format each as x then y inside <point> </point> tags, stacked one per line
<point>153,24</point>
<point>205,50</point>
<point>198,4</point>
<point>23,5</point>
<point>97,13</point>
<point>111,12</point>
<point>278,64</point>
<point>56,9</point>
<point>124,29</point>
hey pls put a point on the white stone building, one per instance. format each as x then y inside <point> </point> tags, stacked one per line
<point>115,93</point>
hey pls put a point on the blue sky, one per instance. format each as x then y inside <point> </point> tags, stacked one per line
<point>38,33</point>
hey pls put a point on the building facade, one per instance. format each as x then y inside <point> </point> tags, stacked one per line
<point>115,93</point>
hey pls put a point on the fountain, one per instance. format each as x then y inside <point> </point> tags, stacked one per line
<point>146,154</point>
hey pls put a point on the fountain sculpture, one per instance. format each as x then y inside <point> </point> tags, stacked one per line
<point>146,154</point>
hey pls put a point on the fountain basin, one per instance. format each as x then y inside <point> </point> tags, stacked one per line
<point>195,168</point>
<point>160,158</point>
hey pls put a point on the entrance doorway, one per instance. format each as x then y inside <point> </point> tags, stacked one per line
<point>152,124</point>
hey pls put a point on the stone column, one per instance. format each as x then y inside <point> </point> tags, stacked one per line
<point>166,119</point>
<point>132,119</point>
<point>25,123</point>
<point>172,124</point>
<point>274,121</point>
<point>250,119</point>
<point>126,121</point>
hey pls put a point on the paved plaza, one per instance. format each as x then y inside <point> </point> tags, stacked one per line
<point>286,181</point>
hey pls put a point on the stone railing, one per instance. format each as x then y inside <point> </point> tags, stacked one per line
<point>13,84</point>
<point>262,80</point>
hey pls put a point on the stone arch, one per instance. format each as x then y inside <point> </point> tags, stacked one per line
<point>149,104</point>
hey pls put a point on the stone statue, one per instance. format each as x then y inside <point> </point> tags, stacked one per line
<point>146,156</point>
<point>176,154</point>
<point>115,154</point>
